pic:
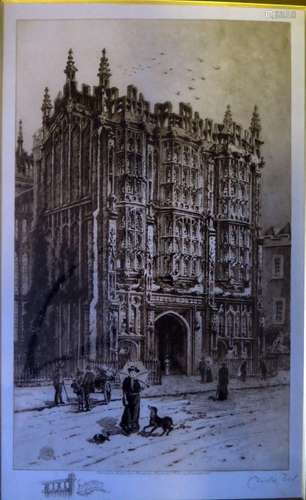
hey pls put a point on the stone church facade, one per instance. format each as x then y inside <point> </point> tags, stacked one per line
<point>152,226</point>
<point>23,247</point>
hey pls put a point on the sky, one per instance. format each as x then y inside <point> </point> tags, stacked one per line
<point>206,63</point>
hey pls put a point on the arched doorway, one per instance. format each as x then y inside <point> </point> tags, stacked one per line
<point>171,334</point>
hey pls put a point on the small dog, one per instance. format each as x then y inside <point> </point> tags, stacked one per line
<point>165,423</point>
<point>100,438</point>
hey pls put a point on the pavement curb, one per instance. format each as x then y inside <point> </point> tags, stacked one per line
<point>153,396</point>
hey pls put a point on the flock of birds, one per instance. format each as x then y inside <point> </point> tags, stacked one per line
<point>193,78</point>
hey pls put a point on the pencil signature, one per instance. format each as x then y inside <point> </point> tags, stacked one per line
<point>85,489</point>
<point>257,481</point>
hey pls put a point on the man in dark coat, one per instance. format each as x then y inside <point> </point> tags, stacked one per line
<point>131,401</point>
<point>263,369</point>
<point>209,375</point>
<point>88,385</point>
<point>202,370</point>
<point>243,371</point>
<point>222,391</point>
<point>58,387</point>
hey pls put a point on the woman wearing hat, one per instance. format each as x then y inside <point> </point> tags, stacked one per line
<point>131,401</point>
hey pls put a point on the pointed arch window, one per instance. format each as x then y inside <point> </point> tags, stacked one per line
<point>186,266</point>
<point>237,325</point>
<point>150,165</point>
<point>25,272</point>
<point>65,165</point>
<point>135,236</point>
<point>85,160</point>
<point>244,326</point>
<point>194,266</point>
<point>74,172</point>
<point>57,169</point>
<point>230,325</point>
<point>17,275</point>
<point>48,177</point>
<point>221,326</point>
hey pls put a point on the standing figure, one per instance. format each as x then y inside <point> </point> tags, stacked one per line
<point>167,365</point>
<point>101,379</point>
<point>202,370</point>
<point>131,401</point>
<point>263,369</point>
<point>79,377</point>
<point>58,386</point>
<point>88,385</point>
<point>243,371</point>
<point>209,374</point>
<point>222,390</point>
<point>78,388</point>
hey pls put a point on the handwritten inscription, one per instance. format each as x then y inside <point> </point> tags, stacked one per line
<point>255,482</point>
<point>88,487</point>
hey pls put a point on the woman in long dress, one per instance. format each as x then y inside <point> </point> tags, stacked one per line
<point>222,390</point>
<point>131,401</point>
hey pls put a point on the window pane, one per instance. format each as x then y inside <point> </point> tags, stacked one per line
<point>279,310</point>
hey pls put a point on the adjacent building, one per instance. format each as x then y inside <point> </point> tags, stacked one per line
<point>150,232</point>
<point>276,288</point>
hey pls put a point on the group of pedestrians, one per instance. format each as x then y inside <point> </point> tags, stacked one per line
<point>83,385</point>
<point>206,373</point>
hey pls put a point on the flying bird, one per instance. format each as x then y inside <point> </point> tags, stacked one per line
<point>178,93</point>
<point>170,69</point>
<point>193,79</point>
<point>201,60</point>
<point>190,88</point>
<point>217,67</point>
<point>197,98</point>
<point>203,78</point>
<point>165,72</point>
<point>162,53</point>
<point>188,69</point>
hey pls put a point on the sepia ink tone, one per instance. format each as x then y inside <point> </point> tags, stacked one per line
<point>140,244</point>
